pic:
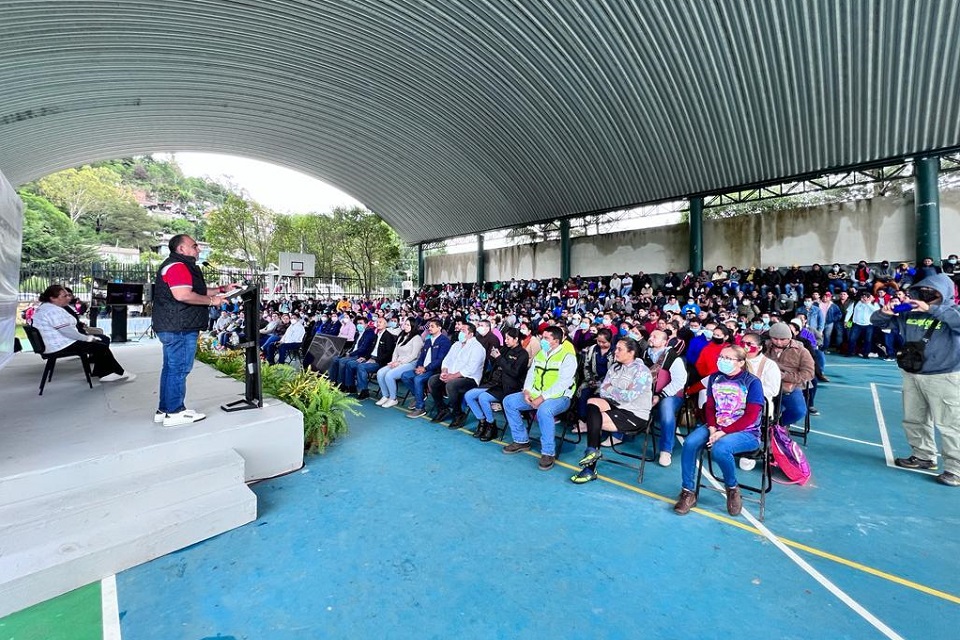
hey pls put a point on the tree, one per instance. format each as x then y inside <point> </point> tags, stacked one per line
<point>127,224</point>
<point>243,228</point>
<point>50,238</point>
<point>366,246</point>
<point>84,191</point>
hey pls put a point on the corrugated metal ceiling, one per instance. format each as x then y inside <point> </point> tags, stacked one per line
<point>453,117</point>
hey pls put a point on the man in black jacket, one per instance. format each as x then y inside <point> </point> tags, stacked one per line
<point>381,355</point>
<point>180,305</point>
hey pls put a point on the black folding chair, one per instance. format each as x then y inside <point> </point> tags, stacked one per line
<point>36,342</point>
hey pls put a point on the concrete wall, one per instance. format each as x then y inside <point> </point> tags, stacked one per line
<point>872,230</point>
<point>11,234</point>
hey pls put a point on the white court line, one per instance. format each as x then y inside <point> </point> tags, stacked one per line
<point>833,435</point>
<point>885,437</point>
<point>110,608</point>
<point>857,608</point>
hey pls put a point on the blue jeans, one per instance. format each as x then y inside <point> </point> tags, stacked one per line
<point>793,407</point>
<point>337,371</point>
<point>722,452</point>
<point>514,403</point>
<point>286,348</point>
<point>364,369</point>
<point>416,383</point>
<point>860,332</point>
<point>179,350</point>
<point>667,409</point>
<point>387,378</point>
<point>479,402</point>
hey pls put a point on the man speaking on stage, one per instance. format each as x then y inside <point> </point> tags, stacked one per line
<point>181,300</point>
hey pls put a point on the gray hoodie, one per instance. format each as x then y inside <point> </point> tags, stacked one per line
<point>942,354</point>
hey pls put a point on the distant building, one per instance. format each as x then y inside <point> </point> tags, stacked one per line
<point>163,247</point>
<point>118,255</point>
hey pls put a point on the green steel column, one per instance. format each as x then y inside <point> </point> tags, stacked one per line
<point>696,235</point>
<point>421,271</point>
<point>481,272</point>
<point>927,207</point>
<point>564,250</point>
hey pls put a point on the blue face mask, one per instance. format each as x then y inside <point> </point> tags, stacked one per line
<point>544,345</point>
<point>623,331</point>
<point>635,336</point>
<point>462,337</point>
<point>360,327</point>
<point>726,367</point>
<point>584,325</point>
<point>392,325</point>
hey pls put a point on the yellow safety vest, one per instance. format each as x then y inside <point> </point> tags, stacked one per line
<point>546,371</point>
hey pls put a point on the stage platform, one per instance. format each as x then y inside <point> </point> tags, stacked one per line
<point>90,485</point>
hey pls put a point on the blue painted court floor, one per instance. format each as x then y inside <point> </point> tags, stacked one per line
<point>406,529</point>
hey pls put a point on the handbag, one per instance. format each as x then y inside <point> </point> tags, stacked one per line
<point>911,355</point>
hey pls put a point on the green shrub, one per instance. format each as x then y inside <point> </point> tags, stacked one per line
<point>324,407</point>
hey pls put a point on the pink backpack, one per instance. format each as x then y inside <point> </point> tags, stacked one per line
<point>788,456</point>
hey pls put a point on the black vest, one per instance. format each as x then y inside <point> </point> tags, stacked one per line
<point>169,314</point>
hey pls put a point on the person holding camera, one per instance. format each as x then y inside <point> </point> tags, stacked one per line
<point>930,361</point>
<point>60,334</point>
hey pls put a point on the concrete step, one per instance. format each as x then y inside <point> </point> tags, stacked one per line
<point>25,523</point>
<point>120,526</point>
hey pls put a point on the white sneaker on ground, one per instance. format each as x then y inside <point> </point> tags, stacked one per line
<point>117,377</point>
<point>391,402</point>
<point>382,401</point>
<point>159,417</point>
<point>665,459</point>
<point>185,417</point>
<point>747,464</point>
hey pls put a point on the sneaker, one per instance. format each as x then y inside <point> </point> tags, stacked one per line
<point>665,459</point>
<point>586,475</point>
<point>546,462</point>
<point>813,411</point>
<point>516,447</point>
<point>117,377</point>
<point>734,501</point>
<point>411,405</point>
<point>590,458</point>
<point>913,462</point>
<point>748,464</point>
<point>686,501</point>
<point>391,402</point>
<point>159,416</point>
<point>949,479</point>
<point>185,417</point>
<point>382,401</point>
<point>417,412</point>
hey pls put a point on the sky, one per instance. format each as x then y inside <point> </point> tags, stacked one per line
<point>283,190</point>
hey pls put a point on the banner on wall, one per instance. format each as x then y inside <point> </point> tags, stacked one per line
<point>11,235</point>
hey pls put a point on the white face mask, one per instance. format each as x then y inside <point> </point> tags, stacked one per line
<point>482,330</point>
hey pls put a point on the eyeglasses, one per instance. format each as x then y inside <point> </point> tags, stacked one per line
<point>729,359</point>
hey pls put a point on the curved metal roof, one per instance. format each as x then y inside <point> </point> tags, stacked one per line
<point>459,116</point>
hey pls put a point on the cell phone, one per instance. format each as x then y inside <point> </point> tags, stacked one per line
<point>903,307</point>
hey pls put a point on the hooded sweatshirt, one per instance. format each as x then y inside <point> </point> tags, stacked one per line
<point>942,354</point>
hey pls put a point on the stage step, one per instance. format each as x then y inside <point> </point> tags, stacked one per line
<point>54,543</point>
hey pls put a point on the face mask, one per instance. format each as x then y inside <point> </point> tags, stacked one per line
<point>391,325</point>
<point>757,326</point>
<point>836,269</point>
<point>635,336</point>
<point>360,327</point>
<point>623,331</point>
<point>462,337</point>
<point>717,340</point>
<point>766,320</point>
<point>584,325</point>
<point>952,261</point>
<point>483,330</point>
<point>808,304</point>
<point>544,345</point>
<point>726,367</point>
<point>524,331</point>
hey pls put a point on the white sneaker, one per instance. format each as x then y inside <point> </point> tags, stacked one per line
<point>747,464</point>
<point>159,417</point>
<point>117,377</point>
<point>665,459</point>
<point>185,417</point>
<point>382,401</point>
<point>390,403</point>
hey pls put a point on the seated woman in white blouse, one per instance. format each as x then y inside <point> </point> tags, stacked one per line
<point>60,336</point>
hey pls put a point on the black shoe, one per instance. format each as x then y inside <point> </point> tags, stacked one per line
<point>490,433</point>
<point>363,395</point>
<point>516,447</point>
<point>913,462</point>
<point>458,420</point>
<point>441,415</point>
<point>823,378</point>
<point>813,411</point>
<point>481,429</point>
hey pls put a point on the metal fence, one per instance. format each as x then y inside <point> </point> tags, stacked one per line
<point>89,282</point>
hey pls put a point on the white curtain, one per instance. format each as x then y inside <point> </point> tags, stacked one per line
<point>11,234</point>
